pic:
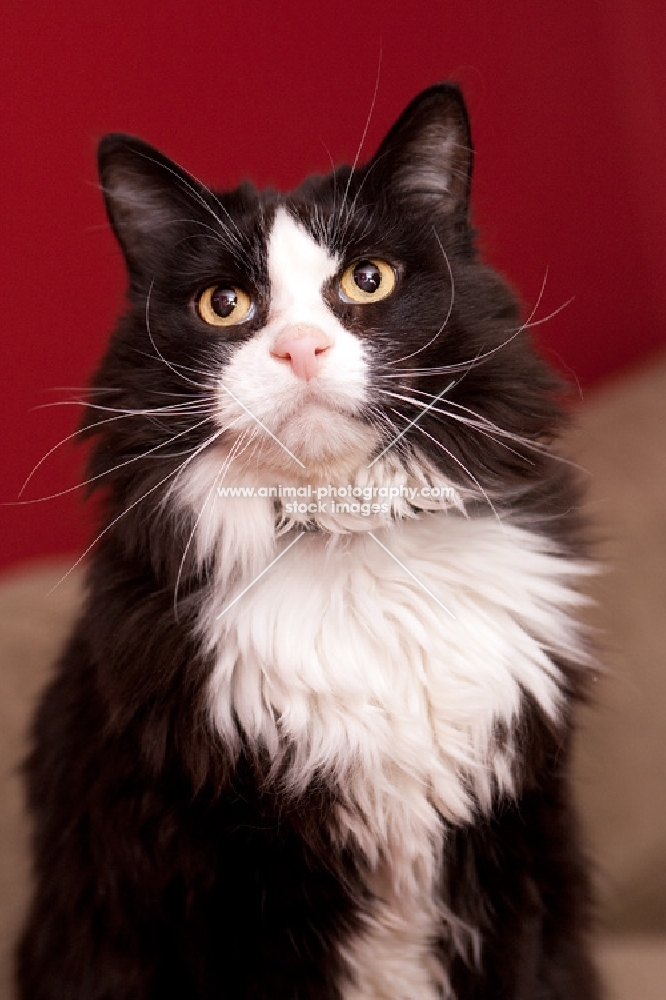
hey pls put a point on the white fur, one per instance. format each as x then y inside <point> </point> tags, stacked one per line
<point>342,664</point>
<point>315,419</point>
<point>339,654</point>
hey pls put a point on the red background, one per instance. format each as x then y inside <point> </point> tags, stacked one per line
<point>567,102</point>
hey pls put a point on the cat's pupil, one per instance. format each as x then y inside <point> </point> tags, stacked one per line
<point>367,276</point>
<point>224,301</point>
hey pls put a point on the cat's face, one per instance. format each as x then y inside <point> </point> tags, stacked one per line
<point>313,332</point>
<point>303,372</point>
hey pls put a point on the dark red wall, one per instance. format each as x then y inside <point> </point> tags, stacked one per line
<point>567,103</point>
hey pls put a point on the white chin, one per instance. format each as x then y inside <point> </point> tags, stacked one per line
<point>320,436</point>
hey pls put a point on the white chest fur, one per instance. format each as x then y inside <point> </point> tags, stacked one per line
<point>370,666</point>
<point>388,674</point>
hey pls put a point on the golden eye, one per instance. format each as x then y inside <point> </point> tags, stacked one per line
<point>367,281</point>
<point>224,305</point>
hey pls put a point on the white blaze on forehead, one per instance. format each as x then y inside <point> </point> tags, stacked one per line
<point>298,268</point>
<point>315,420</point>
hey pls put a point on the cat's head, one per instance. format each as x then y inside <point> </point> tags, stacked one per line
<point>341,333</point>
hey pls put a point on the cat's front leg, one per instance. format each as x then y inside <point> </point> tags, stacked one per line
<point>519,879</point>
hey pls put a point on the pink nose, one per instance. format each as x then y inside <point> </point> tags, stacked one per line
<point>302,346</point>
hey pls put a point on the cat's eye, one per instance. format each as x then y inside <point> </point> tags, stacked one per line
<point>367,281</point>
<point>224,305</point>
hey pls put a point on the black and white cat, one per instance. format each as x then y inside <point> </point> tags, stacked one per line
<point>310,741</point>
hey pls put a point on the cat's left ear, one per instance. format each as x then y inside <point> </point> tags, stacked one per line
<point>147,196</point>
<point>426,158</point>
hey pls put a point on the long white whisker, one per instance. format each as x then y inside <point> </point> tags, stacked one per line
<point>448,315</point>
<point>69,437</point>
<point>222,471</point>
<point>114,468</point>
<point>493,429</point>
<point>172,486</point>
<point>464,365</point>
<point>178,368</point>
<point>365,132</point>
<point>409,425</point>
<point>119,415</point>
<point>465,470</point>
<point>461,465</point>
<point>382,421</point>
<point>487,432</point>
<point>478,419</point>
<point>329,224</point>
<point>169,410</point>
<point>156,348</point>
<point>174,472</point>
<point>546,319</point>
<point>351,211</point>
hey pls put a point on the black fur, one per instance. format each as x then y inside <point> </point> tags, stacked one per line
<point>163,867</point>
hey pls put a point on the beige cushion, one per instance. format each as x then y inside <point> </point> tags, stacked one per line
<point>621,767</point>
<point>633,967</point>
<point>33,624</point>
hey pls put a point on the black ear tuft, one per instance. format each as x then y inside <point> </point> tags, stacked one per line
<point>146,196</point>
<point>426,157</point>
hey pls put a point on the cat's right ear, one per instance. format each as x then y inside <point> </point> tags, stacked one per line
<point>425,161</point>
<point>146,196</point>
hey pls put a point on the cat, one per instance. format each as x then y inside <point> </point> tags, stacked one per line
<point>310,736</point>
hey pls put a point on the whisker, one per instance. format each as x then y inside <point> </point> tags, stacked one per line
<point>382,423</point>
<point>168,410</point>
<point>475,425</point>
<point>156,348</point>
<point>478,417</point>
<point>458,462</point>
<point>330,220</point>
<point>351,211</point>
<point>493,429</point>
<point>92,390</point>
<point>465,470</point>
<point>81,388</point>
<point>448,315</point>
<point>222,471</point>
<point>69,437</point>
<point>107,472</point>
<point>174,472</point>
<point>365,132</point>
<point>174,409</point>
<point>518,438</point>
<point>177,367</point>
<point>169,492</point>
<point>464,365</point>
<point>526,442</point>
<point>261,424</point>
<point>546,319</point>
<point>215,237</point>
<point>402,433</point>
